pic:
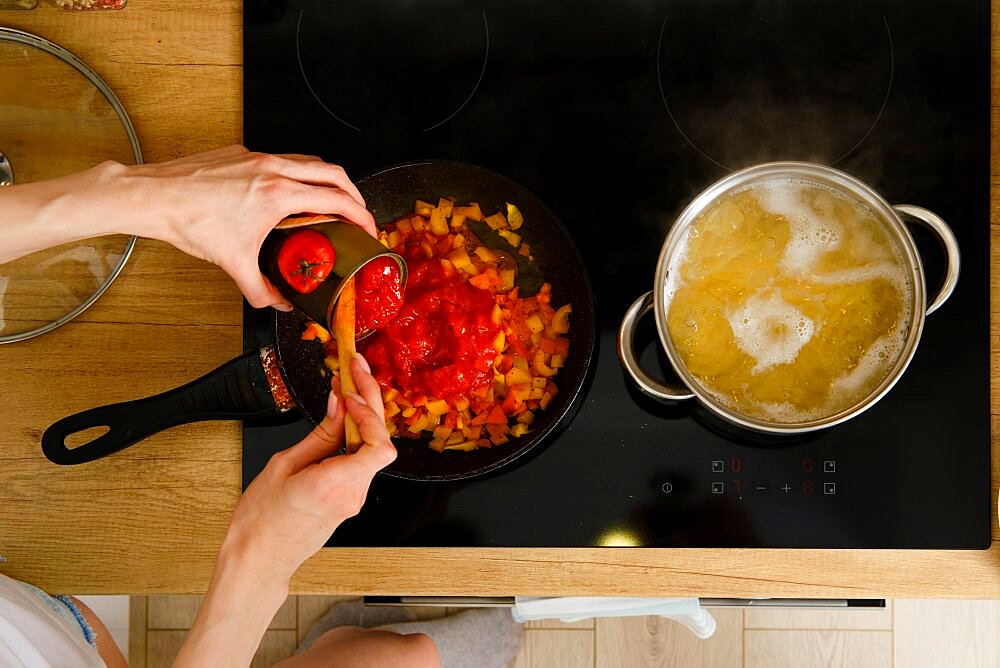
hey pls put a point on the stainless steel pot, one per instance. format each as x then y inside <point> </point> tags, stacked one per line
<point>656,299</point>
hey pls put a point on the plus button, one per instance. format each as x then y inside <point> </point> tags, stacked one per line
<point>786,488</point>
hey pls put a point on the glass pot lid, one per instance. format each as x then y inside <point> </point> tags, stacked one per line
<point>56,117</point>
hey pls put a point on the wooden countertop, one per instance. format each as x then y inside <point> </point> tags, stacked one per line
<point>151,518</point>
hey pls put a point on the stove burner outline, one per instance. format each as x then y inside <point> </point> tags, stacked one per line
<point>305,77</point>
<point>666,105</point>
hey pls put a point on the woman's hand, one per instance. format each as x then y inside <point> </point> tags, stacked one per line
<point>217,206</point>
<point>286,514</point>
<point>221,204</point>
<point>303,494</point>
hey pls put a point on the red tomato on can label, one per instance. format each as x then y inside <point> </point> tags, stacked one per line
<point>305,259</point>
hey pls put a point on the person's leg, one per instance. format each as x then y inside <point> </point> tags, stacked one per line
<point>355,647</point>
<point>354,612</point>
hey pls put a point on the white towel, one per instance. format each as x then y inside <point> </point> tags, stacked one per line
<point>686,611</point>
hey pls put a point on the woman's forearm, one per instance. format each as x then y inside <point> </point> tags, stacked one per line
<point>236,612</point>
<point>40,215</point>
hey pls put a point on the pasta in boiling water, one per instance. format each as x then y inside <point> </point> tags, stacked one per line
<point>788,301</point>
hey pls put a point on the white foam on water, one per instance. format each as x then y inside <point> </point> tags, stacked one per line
<point>882,353</point>
<point>811,235</point>
<point>674,268</point>
<point>770,330</point>
<point>787,413</point>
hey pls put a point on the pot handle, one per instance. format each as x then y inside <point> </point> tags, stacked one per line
<point>626,355</point>
<point>235,390</point>
<point>947,237</point>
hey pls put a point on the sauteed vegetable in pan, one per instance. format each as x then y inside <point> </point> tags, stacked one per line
<point>468,358</point>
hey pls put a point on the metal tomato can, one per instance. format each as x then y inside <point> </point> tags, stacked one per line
<point>353,248</point>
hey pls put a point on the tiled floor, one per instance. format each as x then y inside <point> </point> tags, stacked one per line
<point>906,634</point>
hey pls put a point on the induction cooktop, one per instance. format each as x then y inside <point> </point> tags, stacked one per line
<point>616,115</point>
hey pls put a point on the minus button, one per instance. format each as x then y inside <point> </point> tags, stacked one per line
<point>760,486</point>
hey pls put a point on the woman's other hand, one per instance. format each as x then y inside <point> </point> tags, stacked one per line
<point>304,493</point>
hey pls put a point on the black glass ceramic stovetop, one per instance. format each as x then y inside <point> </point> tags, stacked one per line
<point>616,115</point>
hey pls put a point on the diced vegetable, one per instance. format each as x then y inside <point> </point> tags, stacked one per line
<point>496,221</point>
<point>438,222</point>
<point>315,331</point>
<point>514,217</point>
<point>560,319</point>
<point>512,238</point>
<point>423,208</point>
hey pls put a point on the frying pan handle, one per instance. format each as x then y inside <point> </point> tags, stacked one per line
<point>626,355</point>
<point>235,390</point>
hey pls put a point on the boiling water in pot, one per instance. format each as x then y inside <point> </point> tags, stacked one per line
<point>788,301</point>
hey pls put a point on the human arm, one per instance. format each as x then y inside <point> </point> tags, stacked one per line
<point>285,515</point>
<point>218,206</point>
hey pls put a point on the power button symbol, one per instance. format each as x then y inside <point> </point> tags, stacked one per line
<point>667,487</point>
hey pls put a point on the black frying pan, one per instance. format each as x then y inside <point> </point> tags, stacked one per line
<point>290,374</point>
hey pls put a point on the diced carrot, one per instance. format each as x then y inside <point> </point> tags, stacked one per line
<point>314,331</point>
<point>496,416</point>
<point>481,281</point>
<point>562,346</point>
<point>481,418</point>
<point>509,404</point>
<point>506,364</point>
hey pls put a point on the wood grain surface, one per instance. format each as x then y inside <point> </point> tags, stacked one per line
<point>150,519</point>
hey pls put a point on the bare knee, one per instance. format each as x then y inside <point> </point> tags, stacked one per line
<point>423,650</point>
